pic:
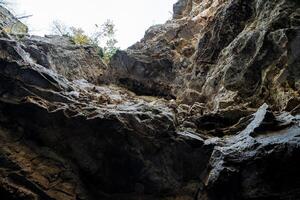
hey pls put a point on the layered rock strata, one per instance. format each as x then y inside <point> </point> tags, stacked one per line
<point>219,119</point>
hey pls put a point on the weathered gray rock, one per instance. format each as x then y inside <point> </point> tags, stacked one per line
<point>61,55</point>
<point>9,23</point>
<point>143,72</point>
<point>254,67</point>
<point>182,8</point>
<point>232,67</point>
<point>258,163</point>
<point>111,144</point>
<point>221,53</point>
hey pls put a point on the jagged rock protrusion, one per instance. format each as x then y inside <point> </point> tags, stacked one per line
<point>224,53</point>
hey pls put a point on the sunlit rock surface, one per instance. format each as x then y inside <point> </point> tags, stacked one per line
<point>210,110</point>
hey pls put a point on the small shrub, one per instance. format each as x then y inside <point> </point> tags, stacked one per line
<point>79,37</point>
<point>104,35</point>
<point>17,28</point>
<point>109,50</point>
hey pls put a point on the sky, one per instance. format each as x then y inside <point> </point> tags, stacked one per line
<point>131,17</point>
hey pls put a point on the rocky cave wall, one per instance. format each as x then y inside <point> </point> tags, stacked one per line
<point>204,107</point>
<point>220,53</point>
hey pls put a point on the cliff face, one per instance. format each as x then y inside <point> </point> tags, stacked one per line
<point>62,56</point>
<point>220,120</point>
<point>221,53</point>
<point>10,23</point>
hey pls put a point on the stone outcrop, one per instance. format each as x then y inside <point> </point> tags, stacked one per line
<point>220,119</point>
<point>10,23</point>
<point>257,163</point>
<point>222,52</point>
<point>61,55</point>
<point>56,53</point>
<point>117,142</point>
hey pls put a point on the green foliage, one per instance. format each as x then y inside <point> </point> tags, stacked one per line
<point>79,37</point>
<point>17,28</point>
<point>106,30</point>
<point>110,49</point>
<point>106,33</point>
<point>103,37</point>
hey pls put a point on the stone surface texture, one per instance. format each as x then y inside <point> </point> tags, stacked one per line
<point>204,107</point>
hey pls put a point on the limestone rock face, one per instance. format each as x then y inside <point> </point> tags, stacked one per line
<point>57,53</point>
<point>222,53</point>
<point>255,163</point>
<point>62,56</point>
<point>76,140</point>
<point>211,110</point>
<point>10,23</point>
